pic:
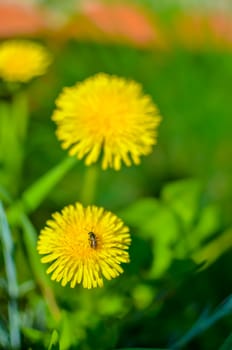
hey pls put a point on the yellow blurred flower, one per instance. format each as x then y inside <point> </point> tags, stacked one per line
<point>84,245</point>
<point>109,116</point>
<point>22,60</point>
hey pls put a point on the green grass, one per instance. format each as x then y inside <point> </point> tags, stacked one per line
<point>177,204</point>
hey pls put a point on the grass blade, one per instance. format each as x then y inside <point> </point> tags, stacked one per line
<point>12,285</point>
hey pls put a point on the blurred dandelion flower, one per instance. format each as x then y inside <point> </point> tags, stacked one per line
<point>22,60</point>
<point>84,245</point>
<point>106,115</point>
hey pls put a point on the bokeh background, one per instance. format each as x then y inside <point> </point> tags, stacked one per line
<point>178,202</point>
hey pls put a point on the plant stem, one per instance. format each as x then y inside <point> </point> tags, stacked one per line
<point>89,185</point>
<point>12,285</point>
<point>13,131</point>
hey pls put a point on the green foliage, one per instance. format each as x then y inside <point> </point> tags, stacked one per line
<point>53,345</point>
<point>204,322</point>
<point>177,225</point>
<point>227,344</point>
<point>12,284</point>
<point>177,205</point>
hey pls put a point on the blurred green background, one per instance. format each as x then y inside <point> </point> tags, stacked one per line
<point>177,203</point>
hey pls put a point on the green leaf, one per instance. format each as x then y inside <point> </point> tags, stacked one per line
<point>208,223</point>
<point>140,212</point>
<point>12,285</point>
<point>157,223</point>
<point>164,231</point>
<point>214,249</point>
<point>227,345</point>
<point>176,226</point>
<point>37,192</point>
<point>34,335</point>
<point>183,197</point>
<point>205,321</point>
<point>4,337</point>
<point>4,195</point>
<point>54,341</point>
<point>66,332</point>
<point>30,240</point>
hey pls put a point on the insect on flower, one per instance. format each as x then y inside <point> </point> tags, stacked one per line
<point>84,245</point>
<point>92,240</point>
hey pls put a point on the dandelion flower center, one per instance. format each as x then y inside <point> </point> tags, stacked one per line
<point>106,115</point>
<point>84,245</point>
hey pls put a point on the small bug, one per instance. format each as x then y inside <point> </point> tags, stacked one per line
<point>92,240</point>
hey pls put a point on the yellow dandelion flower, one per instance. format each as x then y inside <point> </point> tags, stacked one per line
<point>22,60</point>
<point>106,115</point>
<point>84,245</point>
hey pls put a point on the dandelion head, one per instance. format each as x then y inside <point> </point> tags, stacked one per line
<point>106,116</point>
<point>84,245</point>
<point>22,60</point>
